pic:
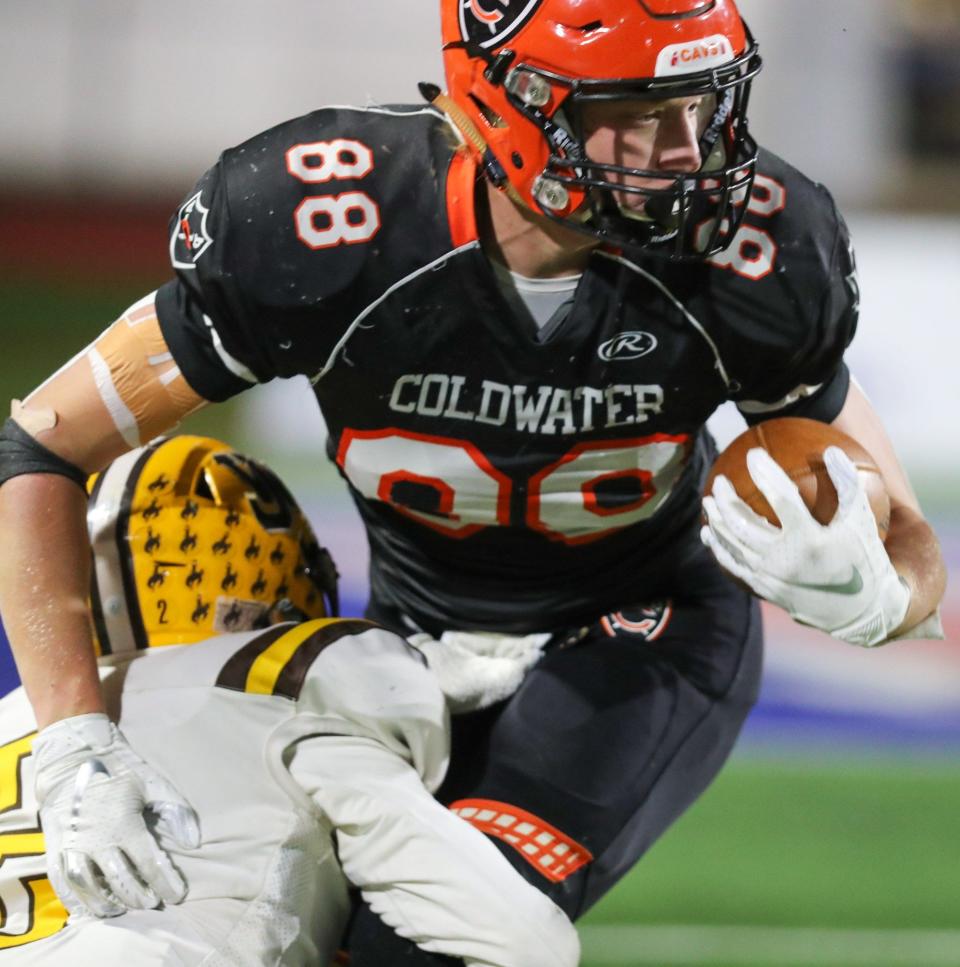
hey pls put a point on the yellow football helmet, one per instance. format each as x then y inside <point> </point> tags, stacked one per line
<point>192,539</point>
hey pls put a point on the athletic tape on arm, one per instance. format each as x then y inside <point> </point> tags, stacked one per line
<point>138,381</point>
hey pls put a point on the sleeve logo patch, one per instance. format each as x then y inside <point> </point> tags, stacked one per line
<point>190,238</point>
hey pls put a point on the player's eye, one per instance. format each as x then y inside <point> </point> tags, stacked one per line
<point>639,115</point>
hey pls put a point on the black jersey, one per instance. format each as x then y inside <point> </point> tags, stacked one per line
<point>506,482</point>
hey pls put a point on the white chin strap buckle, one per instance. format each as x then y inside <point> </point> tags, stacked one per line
<point>551,194</point>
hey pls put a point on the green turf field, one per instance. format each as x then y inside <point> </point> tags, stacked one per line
<point>797,864</point>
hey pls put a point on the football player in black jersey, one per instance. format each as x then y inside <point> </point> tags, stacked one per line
<point>518,305</point>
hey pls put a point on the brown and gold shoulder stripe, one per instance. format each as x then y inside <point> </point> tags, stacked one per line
<point>276,662</point>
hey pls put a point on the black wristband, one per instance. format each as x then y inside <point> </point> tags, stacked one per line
<point>20,453</point>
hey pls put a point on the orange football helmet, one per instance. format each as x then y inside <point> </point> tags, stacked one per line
<point>522,71</point>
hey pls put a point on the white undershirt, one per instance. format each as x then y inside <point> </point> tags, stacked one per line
<point>541,297</point>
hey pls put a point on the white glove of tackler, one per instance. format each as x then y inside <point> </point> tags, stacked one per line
<point>102,808</point>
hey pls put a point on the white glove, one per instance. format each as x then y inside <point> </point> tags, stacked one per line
<point>836,577</point>
<point>101,808</point>
<point>476,669</point>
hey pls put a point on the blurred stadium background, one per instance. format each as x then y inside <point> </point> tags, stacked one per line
<point>833,837</point>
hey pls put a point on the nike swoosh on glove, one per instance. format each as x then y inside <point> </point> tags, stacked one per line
<point>102,808</point>
<point>837,577</point>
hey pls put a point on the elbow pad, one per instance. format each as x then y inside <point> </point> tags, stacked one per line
<point>20,454</point>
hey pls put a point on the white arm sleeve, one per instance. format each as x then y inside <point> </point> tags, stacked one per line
<point>377,686</point>
<point>428,874</point>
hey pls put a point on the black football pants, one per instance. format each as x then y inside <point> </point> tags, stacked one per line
<point>609,739</point>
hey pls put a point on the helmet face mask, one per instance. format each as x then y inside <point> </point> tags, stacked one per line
<point>532,99</point>
<point>191,539</point>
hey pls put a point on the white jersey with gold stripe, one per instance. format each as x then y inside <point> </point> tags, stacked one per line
<point>281,739</point>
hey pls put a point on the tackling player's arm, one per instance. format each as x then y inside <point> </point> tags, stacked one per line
<point>223,324</point>
<point>911,542</point>
<point>121,390</point>
<point>204,336</point>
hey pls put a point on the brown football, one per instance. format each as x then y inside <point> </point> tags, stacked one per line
<point>797,445</point>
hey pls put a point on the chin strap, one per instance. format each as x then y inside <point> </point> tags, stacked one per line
<point>464,124</point>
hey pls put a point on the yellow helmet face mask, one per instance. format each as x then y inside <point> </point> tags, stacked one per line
<point>191,539</point>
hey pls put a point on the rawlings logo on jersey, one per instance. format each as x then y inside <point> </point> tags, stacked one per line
<point>627,345</point>
<point>190,237</point>
<point>490,23</point>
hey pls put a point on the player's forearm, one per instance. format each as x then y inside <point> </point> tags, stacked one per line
<point>44,582</point>
<point>915,553</point>
<point>394,842</point>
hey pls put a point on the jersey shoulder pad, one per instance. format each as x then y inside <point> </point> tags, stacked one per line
<point>297,231</point>
<point>781,301</point>
<point>313,200</point>
<point>790,266</point>
<point>263,661</point>
<point>276,660</point>
<point>790,230</point>
<point>799,214</point>
<point>183,666</point>
<point>327,189</point>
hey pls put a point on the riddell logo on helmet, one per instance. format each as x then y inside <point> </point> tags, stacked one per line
<point>695,55</point>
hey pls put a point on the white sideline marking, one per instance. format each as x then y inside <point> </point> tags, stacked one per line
<point>750,946</point>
